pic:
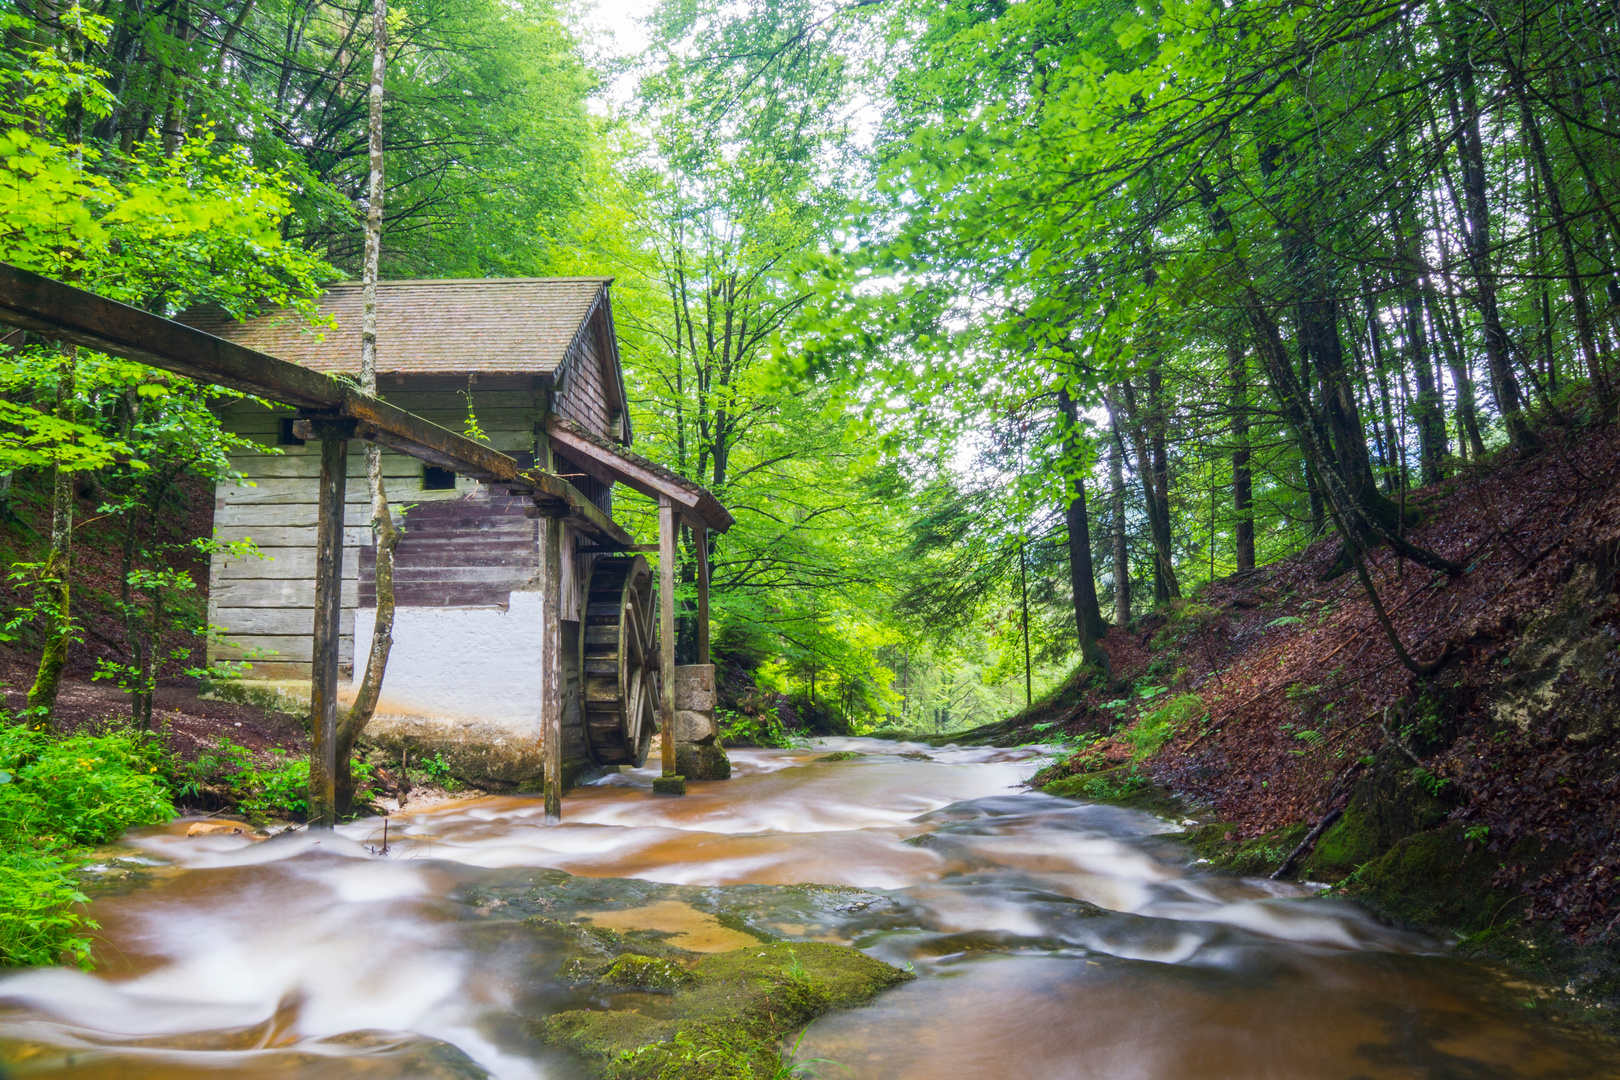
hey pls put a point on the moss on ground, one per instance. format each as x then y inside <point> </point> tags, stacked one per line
<point>716,1017</point>
<point>1120,785</point>
<point>630,971</point>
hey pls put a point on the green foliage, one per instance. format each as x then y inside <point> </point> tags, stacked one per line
<point>1113,785</point>
<point>228,773</point>
<point>436,770</point>
<point>1158,726</point>
<point>58,795</point>
<point>765,729</point>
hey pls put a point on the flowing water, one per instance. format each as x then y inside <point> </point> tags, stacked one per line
<point>1052,939</point>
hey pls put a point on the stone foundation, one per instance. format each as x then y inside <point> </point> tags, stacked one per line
<point>698,754</point>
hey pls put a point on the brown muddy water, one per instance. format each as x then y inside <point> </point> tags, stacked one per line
<point>1053,939</point>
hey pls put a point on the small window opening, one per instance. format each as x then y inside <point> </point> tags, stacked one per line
<point>437,479</point>
<point>287,437</point>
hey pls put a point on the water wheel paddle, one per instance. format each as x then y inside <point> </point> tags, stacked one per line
<point>619,661</point>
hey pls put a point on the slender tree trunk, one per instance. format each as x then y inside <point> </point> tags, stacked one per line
<point>1164,574</point>
<point>1082,575</point>
<point>1122,556</point>
<point>1023,590</point>
<point>1477,239</point>
<point>1467,417</point>
<point>384,533</point>
<point>1159,437</point>
<point>57,571</point>
<point>1313,489</point>
<point>1242,479</point>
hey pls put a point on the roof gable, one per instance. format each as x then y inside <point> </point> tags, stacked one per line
<point>453,326</point>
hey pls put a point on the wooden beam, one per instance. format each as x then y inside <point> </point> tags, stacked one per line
<point>627,472</point>
<point>700,541</point>
<point>666,632</point>
<point>64,313</point>
<point>328,612</point>
<point>555,497</point>
<point>551,695</point>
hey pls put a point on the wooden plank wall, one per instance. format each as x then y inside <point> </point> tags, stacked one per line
<point>584,397</point>
<point>266,605</point>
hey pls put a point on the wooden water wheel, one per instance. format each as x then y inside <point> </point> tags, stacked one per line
<point>619,661</point>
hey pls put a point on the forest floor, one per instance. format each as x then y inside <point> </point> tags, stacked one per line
<point>1481,800</point>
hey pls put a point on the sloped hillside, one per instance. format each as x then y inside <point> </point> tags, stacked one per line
<point>1481,797</point>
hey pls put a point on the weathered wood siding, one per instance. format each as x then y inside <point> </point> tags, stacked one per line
<point>473,546</point>
<point>471,552</point>
<point>586,397</point>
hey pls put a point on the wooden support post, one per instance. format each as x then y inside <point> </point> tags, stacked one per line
<point>666,631</point>
<point>551,673</point>
<point>700,538</point>
<point>334,436</point>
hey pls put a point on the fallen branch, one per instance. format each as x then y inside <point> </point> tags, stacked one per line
<point>1306,844</point>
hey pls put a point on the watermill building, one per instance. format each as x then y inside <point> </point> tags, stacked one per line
<point>530,366</point>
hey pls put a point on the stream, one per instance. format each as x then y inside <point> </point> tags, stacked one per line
<point>1052,939</point>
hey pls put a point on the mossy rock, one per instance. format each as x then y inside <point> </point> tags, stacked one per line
<point>724,1020</point>
<point>650,974</point>
<point>841,755</point>
<point>702,761</point>
<point>1436,879</point>
<point>1351,842</point>
<point>601,941</point>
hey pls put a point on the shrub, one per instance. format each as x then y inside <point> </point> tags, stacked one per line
<point>58,795</point>
<point>228,776</point>
<point>740,729</point>
<point>282,790</point>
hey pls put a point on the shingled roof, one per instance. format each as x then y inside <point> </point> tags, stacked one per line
<point>451,326</point>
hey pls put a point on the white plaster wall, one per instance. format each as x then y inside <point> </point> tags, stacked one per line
<point>461,664</point>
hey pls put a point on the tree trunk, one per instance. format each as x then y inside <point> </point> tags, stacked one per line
<point>1467,417</point>
<point>1122,555</point>
<point>1089,622</point>
<point>1156,424</point>
<point>1464,101</point>
<point>1596,366</point>
<point>384,533</point>
<point>57,571</point>
<point>1242,479</point>
<point>1165,585</point>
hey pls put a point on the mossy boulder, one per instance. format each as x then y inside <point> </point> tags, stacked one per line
<point>600,941</point>
<point>1436,879</point>
<point>630,971</point>
<point>841,755</point>
<point>721,1016</point>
